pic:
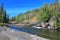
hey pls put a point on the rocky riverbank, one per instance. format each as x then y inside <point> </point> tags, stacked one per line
<point>10,34</point>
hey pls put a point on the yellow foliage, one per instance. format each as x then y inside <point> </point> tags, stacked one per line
<point>25,20</point>
<point>34,18</point>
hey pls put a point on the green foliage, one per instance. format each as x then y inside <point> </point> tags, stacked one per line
<point>57,19</point>
<point>58,24</point>
<point>44,15</point>
<point>19,18</point>
<point>3,15</point>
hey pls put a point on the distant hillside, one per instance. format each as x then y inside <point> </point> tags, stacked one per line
<point>43,14</point>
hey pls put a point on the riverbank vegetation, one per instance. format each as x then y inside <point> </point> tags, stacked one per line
<point>3,16</point>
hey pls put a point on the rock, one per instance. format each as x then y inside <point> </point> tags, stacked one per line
<point>58,29</point>
<point>3,37</point>
<point>18,35</point>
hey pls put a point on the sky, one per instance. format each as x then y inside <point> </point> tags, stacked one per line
<point>15,7</point>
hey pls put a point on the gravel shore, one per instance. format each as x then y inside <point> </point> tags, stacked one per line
<point>18,35</point>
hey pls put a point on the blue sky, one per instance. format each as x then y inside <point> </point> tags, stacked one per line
<point>15,7</point>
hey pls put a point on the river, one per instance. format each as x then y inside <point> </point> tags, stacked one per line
<point>50,34</point>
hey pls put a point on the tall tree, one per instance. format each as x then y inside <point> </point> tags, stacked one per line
<point>3,15</point>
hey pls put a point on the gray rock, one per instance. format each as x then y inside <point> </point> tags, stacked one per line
<point>18,35</point>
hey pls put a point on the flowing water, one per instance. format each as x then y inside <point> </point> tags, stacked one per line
<point>50,34</point>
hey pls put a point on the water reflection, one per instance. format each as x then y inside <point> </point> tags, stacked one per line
<point>50,34</point>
